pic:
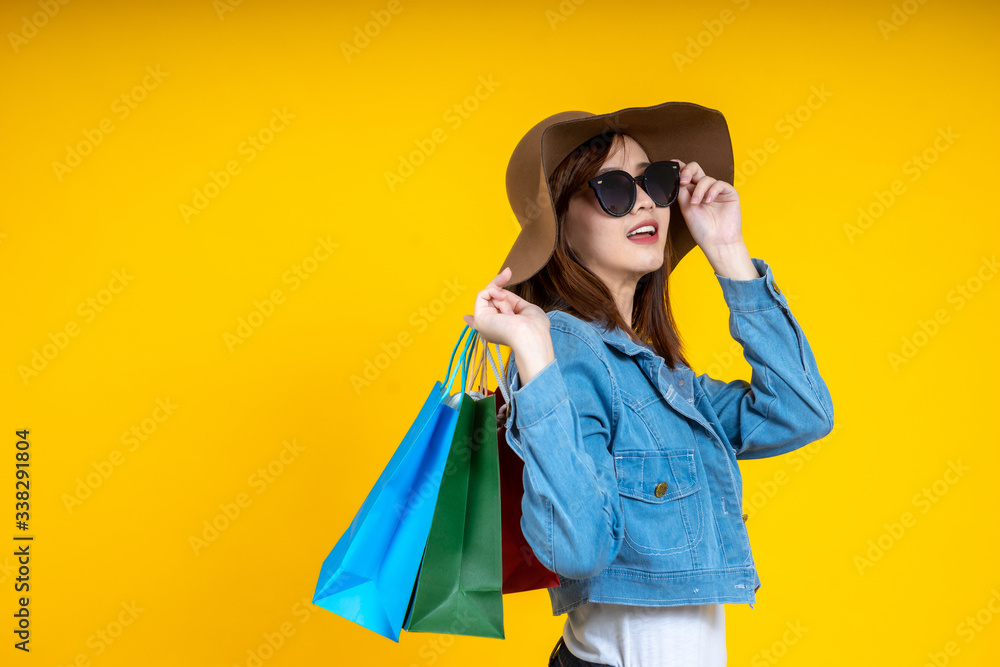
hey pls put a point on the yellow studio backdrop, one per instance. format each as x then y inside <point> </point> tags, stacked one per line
<point>237,239</point>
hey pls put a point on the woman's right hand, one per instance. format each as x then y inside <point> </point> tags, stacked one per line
<point>502,317</point>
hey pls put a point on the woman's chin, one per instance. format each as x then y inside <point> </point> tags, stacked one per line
<point>650,258</point>
<point>646,268</point>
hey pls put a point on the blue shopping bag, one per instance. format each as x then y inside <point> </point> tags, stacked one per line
<point>369,576</point>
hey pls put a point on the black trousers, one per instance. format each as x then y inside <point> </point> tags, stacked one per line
<point>561,657</point>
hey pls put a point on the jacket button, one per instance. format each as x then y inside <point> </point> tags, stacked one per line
<point>661,488</point>
<point>682,382</point>
<point>776,288</point>
<point>745,517</point>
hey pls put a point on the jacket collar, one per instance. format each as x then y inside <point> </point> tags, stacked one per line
<point>668,382</point>
<point>620,340</point>
<point>643,354</point>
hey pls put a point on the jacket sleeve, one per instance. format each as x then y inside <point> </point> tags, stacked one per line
<point>571,511</point>
<point>786,404</point>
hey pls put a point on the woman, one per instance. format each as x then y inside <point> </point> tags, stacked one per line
<point>632,492</point>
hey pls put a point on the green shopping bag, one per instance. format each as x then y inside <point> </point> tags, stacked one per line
<point>458,589</point>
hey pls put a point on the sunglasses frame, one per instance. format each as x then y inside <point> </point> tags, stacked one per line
<point>595,184</point>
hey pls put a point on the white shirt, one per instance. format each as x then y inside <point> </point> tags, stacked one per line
<point>632,636</point>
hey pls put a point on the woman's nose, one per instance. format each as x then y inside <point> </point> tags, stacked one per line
<point>642,198</point>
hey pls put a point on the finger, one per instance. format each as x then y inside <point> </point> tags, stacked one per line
<point>498,300</point>
<point>516,303</point>
<point>718,188</point>
<point>482,301</point>
<point>699,190</point>
<point>503,307</point>
<point>483,304</point>
<point>710,193</point>
<point>684,175</point>
<point>691,172</point>
<point>684,195</point>
<point>508,302</point>
<point>484,295</point>
<point>502,277</point>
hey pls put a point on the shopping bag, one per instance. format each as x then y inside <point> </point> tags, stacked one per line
<point>458,588</point>
<point>368,577</point>
<point>522,571</point>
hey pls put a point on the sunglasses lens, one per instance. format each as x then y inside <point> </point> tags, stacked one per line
<point>663,182</point>
<point>617,192</point>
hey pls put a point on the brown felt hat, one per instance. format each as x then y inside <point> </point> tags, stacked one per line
<point>672,130</point>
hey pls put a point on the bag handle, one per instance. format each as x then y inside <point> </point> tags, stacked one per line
<point>466,357</point>
<point>480,364</point>
<point>450,375</point>
<point>502,383</point>
<point>468,361</point>
<point>479,357</point>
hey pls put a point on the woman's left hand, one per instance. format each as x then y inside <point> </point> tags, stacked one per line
<point>711,207</point>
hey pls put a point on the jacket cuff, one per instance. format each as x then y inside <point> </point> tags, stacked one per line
<point>754,294</point>
<point>537,398</point>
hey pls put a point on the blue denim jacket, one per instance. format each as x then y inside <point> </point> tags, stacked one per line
<point>632,492</point>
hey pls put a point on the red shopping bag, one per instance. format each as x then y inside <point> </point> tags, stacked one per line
<point>521,570</point>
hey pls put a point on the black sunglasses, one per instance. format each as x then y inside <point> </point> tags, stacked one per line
<point>616,190</point>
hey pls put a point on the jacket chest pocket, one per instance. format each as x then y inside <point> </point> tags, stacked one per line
<point>661,508</point>
<point>649,417</point>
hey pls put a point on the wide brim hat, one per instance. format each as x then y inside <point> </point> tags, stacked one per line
<point>672,130</point>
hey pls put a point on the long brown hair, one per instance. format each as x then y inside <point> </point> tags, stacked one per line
<point>565,284</point>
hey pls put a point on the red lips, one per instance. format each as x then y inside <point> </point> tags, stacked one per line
<point>652,222</point>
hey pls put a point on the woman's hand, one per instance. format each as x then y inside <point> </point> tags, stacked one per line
<point>710,207</point>
<point>502,317</point>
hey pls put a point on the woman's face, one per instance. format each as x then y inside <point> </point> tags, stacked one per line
<point>601,240</point>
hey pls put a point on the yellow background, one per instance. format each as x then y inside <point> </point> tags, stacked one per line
<point>426,245</point>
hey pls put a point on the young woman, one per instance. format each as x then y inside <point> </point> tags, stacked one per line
<point>632,492</point>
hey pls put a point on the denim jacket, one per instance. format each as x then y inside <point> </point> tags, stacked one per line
<point>632,492</point>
